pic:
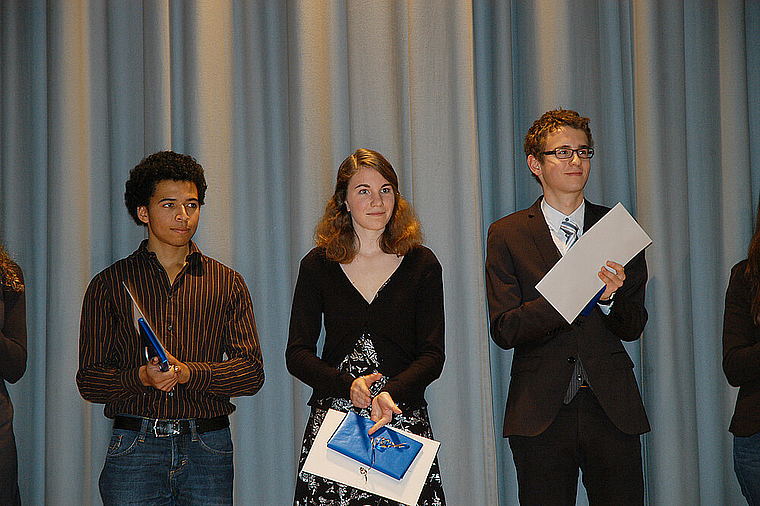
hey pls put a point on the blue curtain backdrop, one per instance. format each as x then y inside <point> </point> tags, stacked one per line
<point>271,95</point>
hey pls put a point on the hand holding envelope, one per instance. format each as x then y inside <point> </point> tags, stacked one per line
<point>574,280</point>
<point>612,275</point>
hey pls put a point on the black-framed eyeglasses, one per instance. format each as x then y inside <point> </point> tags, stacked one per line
<point>565,153</point>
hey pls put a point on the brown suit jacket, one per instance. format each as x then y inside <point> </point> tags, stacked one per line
<point>520,252</point>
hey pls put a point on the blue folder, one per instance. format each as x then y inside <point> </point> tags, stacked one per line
<point>590,306</point>
<point>153,346</point>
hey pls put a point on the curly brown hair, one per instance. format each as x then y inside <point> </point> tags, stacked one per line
<point>9,275</point>
<point>335,231</point>
<point>550,121</point>
<point>161,166</point>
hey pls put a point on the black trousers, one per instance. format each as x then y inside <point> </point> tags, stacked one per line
<point>580,437</point>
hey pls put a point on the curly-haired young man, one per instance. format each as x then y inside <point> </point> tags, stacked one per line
<point>171,438</point>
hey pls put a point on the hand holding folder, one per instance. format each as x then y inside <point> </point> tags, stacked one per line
<point>153,346</point>
<point>573,281</point>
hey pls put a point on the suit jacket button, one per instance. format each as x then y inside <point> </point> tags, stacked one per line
<point>571,359</point>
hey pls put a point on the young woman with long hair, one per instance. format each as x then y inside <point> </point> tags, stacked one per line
<point>380,295</point>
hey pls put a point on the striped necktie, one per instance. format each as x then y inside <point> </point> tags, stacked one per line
<point>571,231</point>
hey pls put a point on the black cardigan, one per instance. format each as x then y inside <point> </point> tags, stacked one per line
<point>405,322</point>
<point>741,353</point>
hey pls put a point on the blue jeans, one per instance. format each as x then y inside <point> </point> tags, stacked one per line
<point>747,466</point>
<point>188,469</point>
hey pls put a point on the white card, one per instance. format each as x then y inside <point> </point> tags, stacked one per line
<point>573,281</point>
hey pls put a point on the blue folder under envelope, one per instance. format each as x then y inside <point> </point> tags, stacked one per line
<point>387,450</point>
<point>153,346</point>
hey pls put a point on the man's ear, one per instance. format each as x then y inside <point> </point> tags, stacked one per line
<point>533,165</point>
<point>142,214</point>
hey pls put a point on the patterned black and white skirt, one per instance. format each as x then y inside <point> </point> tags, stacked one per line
<point>315,490</point>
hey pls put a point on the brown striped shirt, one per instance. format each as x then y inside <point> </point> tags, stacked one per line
<point>205,319</point>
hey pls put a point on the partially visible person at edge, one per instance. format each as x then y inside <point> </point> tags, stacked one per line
<point>12,367</point>
<point>171,440</point>
<point>380,293</point>
<point>573,401</point>
<point>741,364</point>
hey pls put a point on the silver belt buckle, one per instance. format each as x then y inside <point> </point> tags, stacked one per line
<point>168,428</point>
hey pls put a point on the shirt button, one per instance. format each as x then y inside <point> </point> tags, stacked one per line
<point>169,328</point>
<point>571,359</point>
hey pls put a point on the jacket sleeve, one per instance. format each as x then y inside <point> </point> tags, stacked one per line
<point>516,317</point>
<point>628,315</point>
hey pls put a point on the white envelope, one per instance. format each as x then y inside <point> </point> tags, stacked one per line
<point>573,281</point>
<point>335,466</point>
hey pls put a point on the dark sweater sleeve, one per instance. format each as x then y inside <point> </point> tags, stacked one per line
<point>741,349</point>
<point>305,325</point>
<point>13,334</point>
<point>409,385</point>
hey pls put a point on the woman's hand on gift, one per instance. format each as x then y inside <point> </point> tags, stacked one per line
<point>383,409</point>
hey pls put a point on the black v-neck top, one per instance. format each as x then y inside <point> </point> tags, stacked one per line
<point>405,322</point>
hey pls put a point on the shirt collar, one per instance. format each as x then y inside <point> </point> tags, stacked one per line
<point>554,218</point>
<point>192,258</point>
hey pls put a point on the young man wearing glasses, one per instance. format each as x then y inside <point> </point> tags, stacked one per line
<point>573,400</point>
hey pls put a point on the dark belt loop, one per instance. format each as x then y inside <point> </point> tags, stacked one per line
<point>143,429</point>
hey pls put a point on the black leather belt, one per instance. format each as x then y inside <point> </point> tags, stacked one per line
<point>162,428</point>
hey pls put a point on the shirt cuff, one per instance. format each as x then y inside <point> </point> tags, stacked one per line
<point>130,381</point>
<point>606,308</point>
<point>200,376</point>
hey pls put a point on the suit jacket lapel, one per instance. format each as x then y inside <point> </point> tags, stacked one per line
<point>541,235</point>
<point>592,214</point>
